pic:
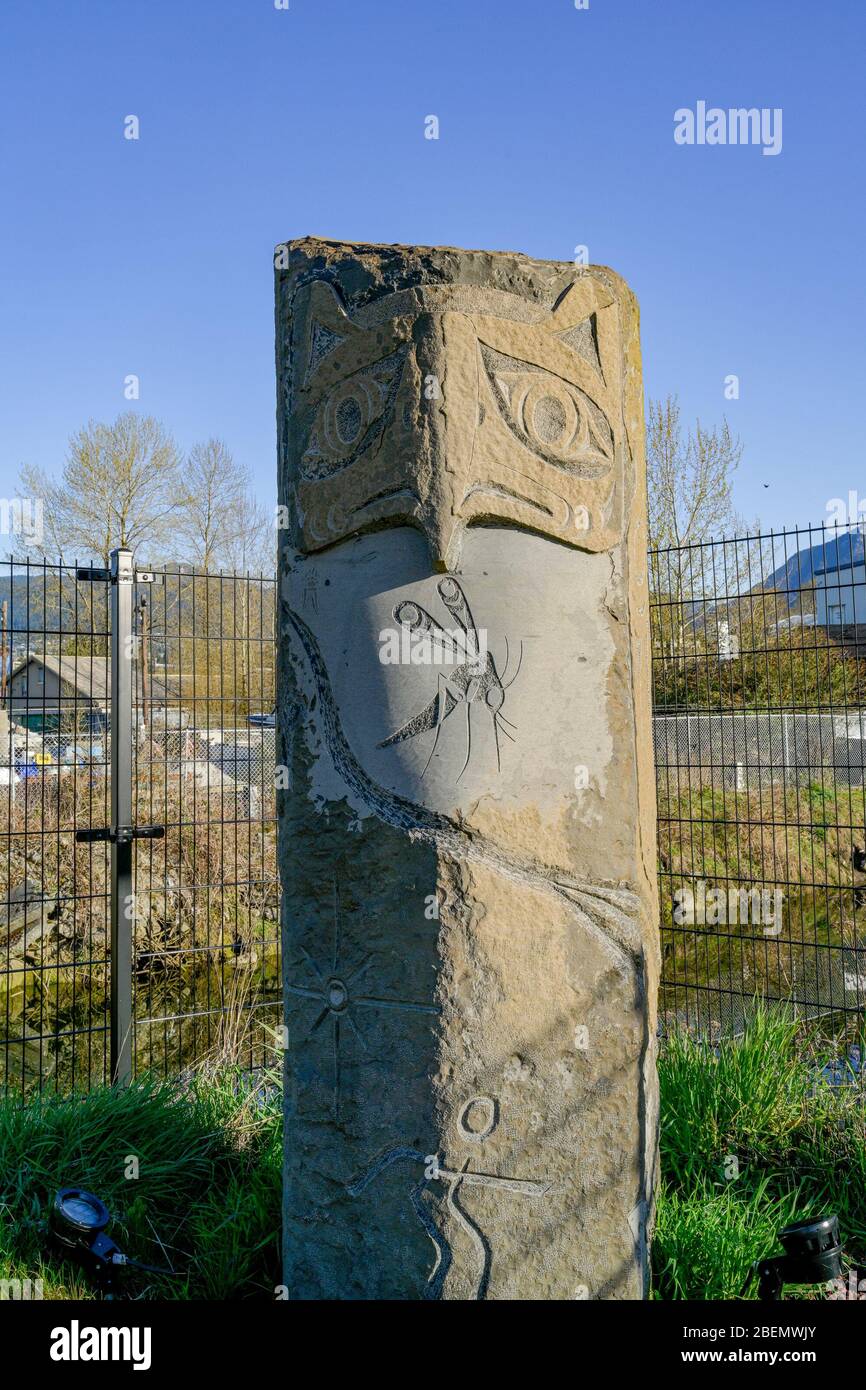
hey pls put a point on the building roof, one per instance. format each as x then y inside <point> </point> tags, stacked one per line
<point>840,569</point>
<point>89,675</point>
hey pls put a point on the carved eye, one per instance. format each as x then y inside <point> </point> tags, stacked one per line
<point>352,416</point>
<point>550,416</point>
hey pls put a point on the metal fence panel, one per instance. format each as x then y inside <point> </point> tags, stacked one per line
<point>760,729</point>
<point>207,976</point>
<point>54,892</point>
<point>204,928</point>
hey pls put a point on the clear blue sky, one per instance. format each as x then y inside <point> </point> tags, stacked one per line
<point>556,129</point>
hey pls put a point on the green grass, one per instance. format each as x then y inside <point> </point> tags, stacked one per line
<point>750,1140</point>
<point>794,839</point>
<point>206,1200</point>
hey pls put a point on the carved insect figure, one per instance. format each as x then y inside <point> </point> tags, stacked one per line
<point>471,681</point>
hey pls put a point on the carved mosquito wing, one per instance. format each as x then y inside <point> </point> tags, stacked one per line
<point>455,601</point>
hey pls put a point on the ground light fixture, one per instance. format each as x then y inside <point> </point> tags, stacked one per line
<point>813,1255</point>
<point>78,1221</point>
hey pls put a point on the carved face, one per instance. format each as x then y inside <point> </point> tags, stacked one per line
<point>442,406</point>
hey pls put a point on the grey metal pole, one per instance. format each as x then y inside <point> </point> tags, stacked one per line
<point>122,901</point>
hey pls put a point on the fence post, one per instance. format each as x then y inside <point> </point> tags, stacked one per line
<point>122,901</point>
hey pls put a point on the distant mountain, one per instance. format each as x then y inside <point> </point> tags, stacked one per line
<point>28,603</point>
<point>846,548</point>
<point>34,606</point>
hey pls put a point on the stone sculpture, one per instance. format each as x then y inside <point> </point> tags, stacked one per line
<point>467,842</point>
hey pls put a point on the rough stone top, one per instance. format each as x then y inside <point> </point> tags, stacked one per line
<point>380,267</point>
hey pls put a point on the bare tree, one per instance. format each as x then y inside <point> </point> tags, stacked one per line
<point>120,486</point>
<point>690,496</point>
<point>253,543</point>
<point>223,532</point>
<point>222,525</point>
<point>214,489</point>
<point>247,607</point>
<point>689,477</point>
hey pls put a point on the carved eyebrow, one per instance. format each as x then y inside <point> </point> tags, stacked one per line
<point>387,494</point>
<point>494,361</point>
<point>499,490</point>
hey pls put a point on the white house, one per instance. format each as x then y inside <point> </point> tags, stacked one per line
<point>840,595</point>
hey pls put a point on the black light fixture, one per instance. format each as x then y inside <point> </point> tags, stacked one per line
<point>78,1221</point>
<point>813,1255</point>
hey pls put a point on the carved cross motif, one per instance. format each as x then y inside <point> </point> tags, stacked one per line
<point>335,990</point>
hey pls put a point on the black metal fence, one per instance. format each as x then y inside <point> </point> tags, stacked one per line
<point>203,930</point>
<point>759,673</point>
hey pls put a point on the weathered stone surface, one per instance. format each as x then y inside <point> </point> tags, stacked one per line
<point>467,842</point>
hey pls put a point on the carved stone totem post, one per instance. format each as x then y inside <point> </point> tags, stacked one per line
<point>467,842</point>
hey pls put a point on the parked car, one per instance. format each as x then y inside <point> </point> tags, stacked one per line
<point>263,721</point>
